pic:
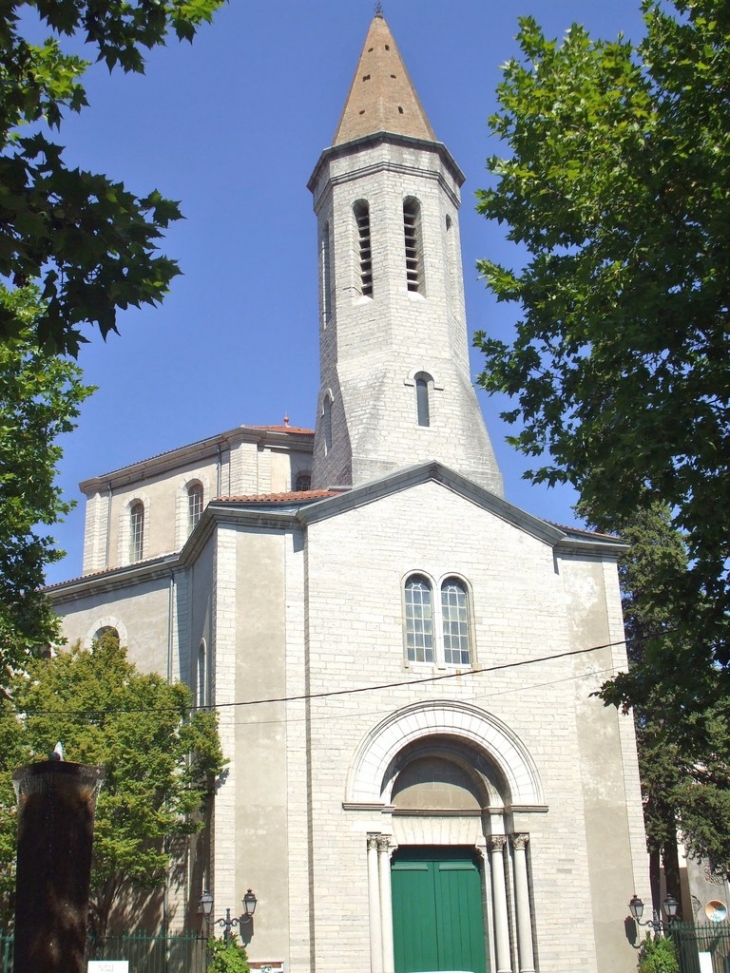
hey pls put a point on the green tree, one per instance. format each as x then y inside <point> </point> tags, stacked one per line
<point>617,188</point>
<point>684,760</point>
<point>87,241</point>
<point>160,761</point>
<point>40,397</point>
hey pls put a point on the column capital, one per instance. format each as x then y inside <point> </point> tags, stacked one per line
<point>372,840</point>
<point>383,842</point>
<point>497,842</point>
<point>519,841</point>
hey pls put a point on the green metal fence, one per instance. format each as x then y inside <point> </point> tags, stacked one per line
<point>712,938</point>
<point>145,954</point>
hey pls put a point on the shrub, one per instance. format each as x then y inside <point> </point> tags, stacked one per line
<point>658,956</point>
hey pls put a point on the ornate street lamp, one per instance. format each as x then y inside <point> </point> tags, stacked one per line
<point>228,922</point>
<point>670,905</point>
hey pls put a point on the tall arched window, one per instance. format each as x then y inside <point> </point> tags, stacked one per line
<point>423,409</point>
<point>326,274</point>
<point>455,617</point>
<point>327,424</point>
<point>136,531</point>
<point>413,245</point>
<point>202,676</point>
<point>419,620</point>
<point>365,253</point>
<point>195,505</point>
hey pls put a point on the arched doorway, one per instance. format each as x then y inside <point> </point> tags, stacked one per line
<point>438,890</point>
<point>446,778</point>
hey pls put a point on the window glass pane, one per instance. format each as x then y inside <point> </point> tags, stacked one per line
<point>456,623</point>
<point>136,532</point>
<point>424,414</point>
<point>195,506</point>
<point>419,621</point>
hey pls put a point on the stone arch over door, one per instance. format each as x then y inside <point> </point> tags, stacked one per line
<point>373,770</point>
<point>446,776</point>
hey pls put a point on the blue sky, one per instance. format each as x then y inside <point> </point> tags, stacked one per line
<point>232,126</point>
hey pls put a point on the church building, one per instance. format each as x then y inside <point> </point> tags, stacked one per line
<point>418,776</point>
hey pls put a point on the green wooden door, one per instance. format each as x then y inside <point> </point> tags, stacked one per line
<point>438,922</point>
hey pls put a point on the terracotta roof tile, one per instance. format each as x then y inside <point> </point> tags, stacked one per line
<point>293,496</point>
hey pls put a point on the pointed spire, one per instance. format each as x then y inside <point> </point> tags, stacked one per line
<point>382,97</point>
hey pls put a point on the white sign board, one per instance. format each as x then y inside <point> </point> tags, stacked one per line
<point>108,966</point>
<point>705,962</point>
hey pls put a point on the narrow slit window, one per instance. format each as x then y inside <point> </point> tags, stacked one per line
<point>455,616</point>
<point>202,673</point>
<point>365,252</point>
<point>195,505</point>
<point>423,408</point>
<point>136,531</point>
<point>419,620</point>
<point>413,245</point>
<point>326,274</point>
<point>327,423</point>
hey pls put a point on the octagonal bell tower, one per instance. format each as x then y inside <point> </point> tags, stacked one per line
<point>394,356</point>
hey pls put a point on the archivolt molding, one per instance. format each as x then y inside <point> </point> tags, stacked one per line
<point>481,730</point>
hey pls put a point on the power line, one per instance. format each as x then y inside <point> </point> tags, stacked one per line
<point>305,697</point>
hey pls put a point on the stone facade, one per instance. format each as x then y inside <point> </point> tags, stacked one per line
<point>322,625</point>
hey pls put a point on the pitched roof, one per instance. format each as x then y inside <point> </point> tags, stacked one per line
<point>382,97</point>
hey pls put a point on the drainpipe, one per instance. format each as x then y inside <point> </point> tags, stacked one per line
<point>108,525</point>
<point>170,610</point>
<point>218,470</point>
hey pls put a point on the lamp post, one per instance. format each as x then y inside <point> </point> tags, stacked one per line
<point>228,922</point>
<point>670,905</point>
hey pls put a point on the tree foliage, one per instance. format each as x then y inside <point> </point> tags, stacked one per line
<point>617,188</point>
<point>86,240</point>
<point>40,397</point>
<point>684,754</point>
<point>160,762</point>
<point>658,955</point>
<point>227,957</point>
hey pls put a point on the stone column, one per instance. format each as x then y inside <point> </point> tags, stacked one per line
<point>386,902</point>
<point>499,898</point>
<point>522,904</point>
<point>376,930</point>
<point>56,806</point>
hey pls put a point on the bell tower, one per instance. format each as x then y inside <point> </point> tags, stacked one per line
<point>394,357</point>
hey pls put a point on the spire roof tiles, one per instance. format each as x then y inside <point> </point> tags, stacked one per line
<point>382,97</point>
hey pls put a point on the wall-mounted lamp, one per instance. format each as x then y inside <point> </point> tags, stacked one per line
<point>249,907</point>
<point>670,906</point>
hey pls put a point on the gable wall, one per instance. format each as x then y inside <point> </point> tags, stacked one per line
<point>356,564</point>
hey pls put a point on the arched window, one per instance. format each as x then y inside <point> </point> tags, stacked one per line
<point>326,274</point>
<point>195,505</point>
<point>106,632</point>
<point>202,673</point>
<point>303,481</point>
<point>365,253</point>
<point>327,424</point>
<point>413,245</point>
<point>419,620</point>
<point>455,618</point>
<point>423,409</point>
<point>136,531</point>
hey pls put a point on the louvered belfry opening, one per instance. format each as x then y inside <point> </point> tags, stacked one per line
<point>362,218</point>
<point>412,236</point>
